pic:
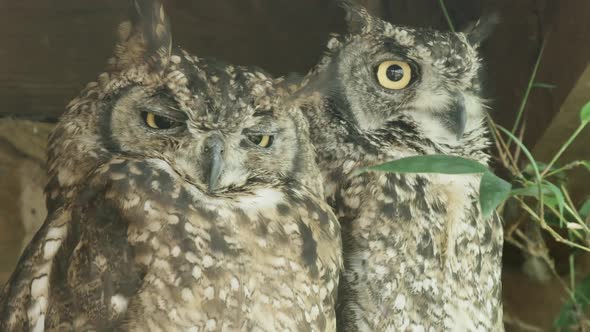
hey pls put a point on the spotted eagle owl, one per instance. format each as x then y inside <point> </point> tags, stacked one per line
<point>184,196</point>
<point>418,254</point>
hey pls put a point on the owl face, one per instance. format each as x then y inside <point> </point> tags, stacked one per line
<point>230,131</point>
<point>220,127</point>
<point>430,76</point>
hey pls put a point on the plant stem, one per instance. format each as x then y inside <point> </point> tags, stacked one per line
<point>525,98</point>
<point>446,13</point>
<point>503,149</point>
<point>550,230</point>
<point>564,147</point>
<point>565,168</point>
<point>539,179</point>
<point>572,272</point>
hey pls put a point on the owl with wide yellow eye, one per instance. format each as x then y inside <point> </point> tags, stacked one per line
<point>184,196</point>
<point>418,254</point>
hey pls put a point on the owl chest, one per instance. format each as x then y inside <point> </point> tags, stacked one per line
<point>236,264</point>
<point>415,241</point>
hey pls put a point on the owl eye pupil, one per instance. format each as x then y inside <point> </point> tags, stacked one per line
<point>264,141</point>
<point>395,73</point>
<point>158,122</point>
<point>163,123</point>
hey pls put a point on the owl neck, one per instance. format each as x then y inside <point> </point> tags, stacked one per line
<point>342,147</point>
<point>401,134</point>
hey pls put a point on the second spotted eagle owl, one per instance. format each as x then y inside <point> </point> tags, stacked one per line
<point>184,196</point>
<point>418,254</point>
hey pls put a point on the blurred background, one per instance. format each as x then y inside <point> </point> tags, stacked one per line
<point>50,49</point>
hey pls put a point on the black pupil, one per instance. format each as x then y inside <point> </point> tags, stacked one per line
<point>257,139</point>
<point>395,73</point>
<point>163,122</point>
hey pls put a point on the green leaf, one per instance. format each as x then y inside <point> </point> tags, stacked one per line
<point>585,113</point>
<point>544,85</point>
<point>525,151</point>
<point>529,169</point>
<point>558,195</point>
<point>552,195</point>
<point>531,191</point>
<point>436,163</point>
<point>585,209</point>
<point>568,318</point>
<point>492,192</point>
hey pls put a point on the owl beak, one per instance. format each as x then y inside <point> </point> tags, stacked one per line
<point>213,156</point>
<point>459,116</point>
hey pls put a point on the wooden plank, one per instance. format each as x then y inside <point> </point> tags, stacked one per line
<point>51,49</point>
<point>22,178</point>
<point>562,126</point>
<point>46,59</point>
<point>566,57</point>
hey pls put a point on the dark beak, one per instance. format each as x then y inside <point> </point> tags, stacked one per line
<point>459,116</point>
<point>213,156</point>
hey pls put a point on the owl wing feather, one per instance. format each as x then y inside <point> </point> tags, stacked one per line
<point>78,271</point>
<point>16,297</point>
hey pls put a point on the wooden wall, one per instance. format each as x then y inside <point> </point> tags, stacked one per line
<point>50,49</point>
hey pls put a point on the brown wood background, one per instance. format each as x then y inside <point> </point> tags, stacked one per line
<point>50,49</point>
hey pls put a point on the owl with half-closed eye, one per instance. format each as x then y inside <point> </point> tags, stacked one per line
<point>184,196</point>
<point>418,254</point>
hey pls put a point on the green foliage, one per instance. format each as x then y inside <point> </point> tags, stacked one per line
<point>585,113</point>
<point>569,317</point>
<point>493,190</point>
<point>544,86</point>
<point>552,194</point>
<point>546,185</point>
<point>585,209</point>
<point>435,163</point>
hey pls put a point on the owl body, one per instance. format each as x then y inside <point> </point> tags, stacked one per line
<point>233,262</point>
<point>418,254</point>
<point>183,196</point>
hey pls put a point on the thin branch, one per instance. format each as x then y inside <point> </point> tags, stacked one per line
<point>527,92</point>
<point>447,16</point>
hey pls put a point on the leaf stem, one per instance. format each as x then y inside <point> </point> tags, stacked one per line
<point>527,92</point>
<point>564,147</point>
<point>550,230</point>
<point>535,167</point>
<point>447,16</point>
<point>567,167</point>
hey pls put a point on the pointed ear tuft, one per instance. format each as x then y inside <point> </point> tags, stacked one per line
<point>151,20</point>
<point>479,31</point>
<point>147,37</point>
<point>357,17</point>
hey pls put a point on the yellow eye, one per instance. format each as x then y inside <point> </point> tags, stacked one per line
<point>263,141</point>
<point>158,122</point>
<point>394,75</point>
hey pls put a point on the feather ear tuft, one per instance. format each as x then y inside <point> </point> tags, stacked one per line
<point>357,17</point>
<point>479,31</point>
<point>147,37</point>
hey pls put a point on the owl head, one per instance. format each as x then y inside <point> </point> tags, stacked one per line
<point>220,127</point>
<point>378,72</point>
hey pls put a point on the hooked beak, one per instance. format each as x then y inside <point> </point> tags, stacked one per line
<point>459,116</point>
<point>213,156</point>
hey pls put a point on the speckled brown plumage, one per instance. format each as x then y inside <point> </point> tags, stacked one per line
<point>143,234</point>
<point>418,254</point>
